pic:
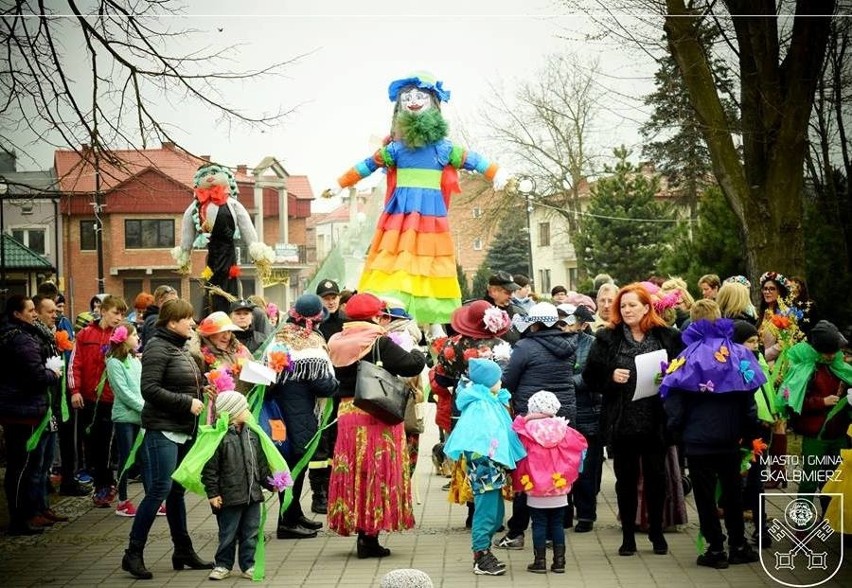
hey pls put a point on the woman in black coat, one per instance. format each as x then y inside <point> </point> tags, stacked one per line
<point>635,429</point>
<point>23,405</point>
<point>173,388</point>
<point>370,489</point>
<point>309,376</point>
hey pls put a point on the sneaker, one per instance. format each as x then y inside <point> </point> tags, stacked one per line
<point>82,477</point>
<point>102,498</point>
<point>488,565</point>
<point>162,511</point>
<point>743,555</point>
<point>249,573</point>
<point>125,508</point>
<point>219,573</point>
<point>507,542</point>
<point>713,559</point>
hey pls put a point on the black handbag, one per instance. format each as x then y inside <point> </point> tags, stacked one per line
<point>378,392</point>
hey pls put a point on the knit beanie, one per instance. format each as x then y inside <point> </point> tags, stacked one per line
<point>406,578</point>
<point>825,337</point>
<point>543,402</point>
<point>231,402</point>
<point>484,371</point>
<point>743,331</point>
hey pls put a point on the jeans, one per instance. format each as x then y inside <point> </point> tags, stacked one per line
<point>97,420</point>
<point>125,435</point>
<point>586,488</point>
<point>42,457</point>
<point>705,470</point>
<point>547,523</point>
<point>487,518</point>
<point>159,458</point>
<point>238,524</point>
<point>20,470</point>
<point>520,519</point>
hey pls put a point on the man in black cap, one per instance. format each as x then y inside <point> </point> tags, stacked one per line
<point>329,291</point>
<point>319,468</point>
<point>501,287</point>
<point>241,314</point>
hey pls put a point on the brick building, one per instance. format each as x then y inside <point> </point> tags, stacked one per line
<point>143,198</point>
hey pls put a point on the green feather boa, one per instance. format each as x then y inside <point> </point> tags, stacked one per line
<point>417,130</point>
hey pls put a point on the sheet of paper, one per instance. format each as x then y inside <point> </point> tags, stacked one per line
<point>647,368</point>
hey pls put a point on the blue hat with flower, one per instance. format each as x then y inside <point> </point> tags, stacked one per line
<point>422,80</point>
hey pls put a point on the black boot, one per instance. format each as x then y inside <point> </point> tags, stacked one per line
<point>133,563</point>
<point>318,479</point>
<point>368,546</point>
<point>661,546</point>
<point>558,565</point>
<point>539,564</point>
<point>185,556</point>
<point>628,542</point>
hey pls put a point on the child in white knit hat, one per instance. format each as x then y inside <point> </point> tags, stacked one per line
<point>233,480</point>
<point>555,452</point>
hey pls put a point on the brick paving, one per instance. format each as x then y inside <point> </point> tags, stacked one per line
<point>87,551</point>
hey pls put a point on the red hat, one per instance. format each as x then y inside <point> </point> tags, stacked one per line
<point>480,320</point>
<point>362,307</point>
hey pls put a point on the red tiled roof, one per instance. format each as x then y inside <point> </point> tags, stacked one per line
<point>300,187</point>
<point>340,214</point>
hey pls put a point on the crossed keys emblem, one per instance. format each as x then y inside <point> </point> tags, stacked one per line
<point>786,560</point>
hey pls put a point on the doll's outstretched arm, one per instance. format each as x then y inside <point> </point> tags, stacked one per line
<point>384,157</point>
<point>472,161</point>
<point>182,254</point>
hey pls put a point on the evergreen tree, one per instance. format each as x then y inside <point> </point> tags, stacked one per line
<point>621,231</point>
<point>673,137</point>
<point>480,281</point>
<point>715,247</point>
<point>510,249</point>
<point>463,285</point>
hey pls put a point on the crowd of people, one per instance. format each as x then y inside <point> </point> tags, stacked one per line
<point>532,395</point>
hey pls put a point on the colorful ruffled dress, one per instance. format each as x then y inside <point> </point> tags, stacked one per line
<point>412,256</point>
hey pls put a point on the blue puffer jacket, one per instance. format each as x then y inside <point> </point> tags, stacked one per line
<point>543,360</point>
<point>25,380</point>
<point>588,400</point>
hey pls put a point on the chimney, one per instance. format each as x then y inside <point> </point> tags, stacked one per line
<point>205,157</point>
<point>85,147</point>
<point>168,145</point>
<point>242,168</point>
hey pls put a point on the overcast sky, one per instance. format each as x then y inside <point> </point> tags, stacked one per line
<point>356,49</point>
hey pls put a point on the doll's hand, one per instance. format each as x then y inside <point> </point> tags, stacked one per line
<point>501,179</point>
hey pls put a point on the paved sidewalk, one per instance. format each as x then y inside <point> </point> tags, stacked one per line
<point>87,551</point>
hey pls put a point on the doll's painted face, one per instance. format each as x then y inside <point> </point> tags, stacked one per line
<point>213,176</point>
<point>415,100</point>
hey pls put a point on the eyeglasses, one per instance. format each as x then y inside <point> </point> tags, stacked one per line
<point>770,289</point>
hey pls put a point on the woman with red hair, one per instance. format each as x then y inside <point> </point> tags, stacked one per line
<point>634,429</point>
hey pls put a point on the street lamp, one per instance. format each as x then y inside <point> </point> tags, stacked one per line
<point>526,187</point>
<point>3,189</point>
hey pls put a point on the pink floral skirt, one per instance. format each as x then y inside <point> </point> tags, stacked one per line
<point>370,488</point>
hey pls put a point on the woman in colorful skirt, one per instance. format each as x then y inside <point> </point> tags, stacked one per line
<point>370,489</point>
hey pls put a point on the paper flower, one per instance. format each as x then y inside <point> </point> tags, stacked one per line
<point>495,319</point>
<point>63,341</point>
<point>502,351</point>
<point>234,272</point>
<point>119,335</point>
<point>222,379</point>
<point>722,355</point>
<point>492,448</point>
<point>781,321</point>
<point>206,273</point>
<point>54,364</point>
<point>757,448</point>
<point>278,361</point>
<point>280,481</point>
<point>558,480</point>
<point>709,386</point>
<point>526,482</point>
<point>470,354</point>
